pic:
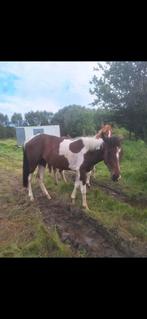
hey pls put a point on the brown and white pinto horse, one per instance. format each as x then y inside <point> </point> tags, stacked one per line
<point>79,155</point>
<point>105,131</point>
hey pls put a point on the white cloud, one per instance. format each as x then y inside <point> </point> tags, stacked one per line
<point>20,105</point>
<point>48,85</point>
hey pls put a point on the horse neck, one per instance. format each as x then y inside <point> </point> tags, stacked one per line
<point>95,157</point>
<point>100,156</point>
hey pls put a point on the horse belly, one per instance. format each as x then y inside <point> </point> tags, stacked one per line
<point>60,162</point>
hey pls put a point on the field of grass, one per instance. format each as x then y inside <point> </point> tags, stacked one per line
<point>22,229</point>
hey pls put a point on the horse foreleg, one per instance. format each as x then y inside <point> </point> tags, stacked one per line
<point>41,170</point>
<point>83,192</point>
<point>76,185</point>
<point>83,178</point>
<point>88,179</point>
<point>30,188</point>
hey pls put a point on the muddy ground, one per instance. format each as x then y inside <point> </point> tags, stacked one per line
<point>81,231</point>
<point>75,227</point>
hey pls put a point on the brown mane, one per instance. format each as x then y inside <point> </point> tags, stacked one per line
<point>104,131</point>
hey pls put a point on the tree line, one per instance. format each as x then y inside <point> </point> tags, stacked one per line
<point>7,127</point>
<point>30,118</point>
<point>119,91</point>
<point>74,120</point>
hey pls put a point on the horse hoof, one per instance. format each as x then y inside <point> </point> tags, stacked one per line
<point>32,199</point>
<point>49,197</point>
<point>73,201</point>
<point>86,207</point>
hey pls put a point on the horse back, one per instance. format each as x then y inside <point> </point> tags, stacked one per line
<point>40,147</point>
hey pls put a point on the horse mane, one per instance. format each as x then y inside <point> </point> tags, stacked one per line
<point>103,132</point>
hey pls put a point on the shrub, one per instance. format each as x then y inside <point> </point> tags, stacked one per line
<point>7,132</point>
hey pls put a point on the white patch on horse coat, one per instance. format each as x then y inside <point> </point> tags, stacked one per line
<point>117,153</point>
<point>92,143</point>
<point>109,133</point>
<point>76,159</point>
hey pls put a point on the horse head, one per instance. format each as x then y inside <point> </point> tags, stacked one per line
<point>112,154</point>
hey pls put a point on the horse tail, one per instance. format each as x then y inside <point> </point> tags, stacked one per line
<point>25,168</point>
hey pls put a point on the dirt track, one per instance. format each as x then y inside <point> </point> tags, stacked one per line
<point>73,224</point>
<point>81,231</point>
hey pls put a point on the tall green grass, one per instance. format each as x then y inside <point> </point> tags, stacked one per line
<point>10,154</point>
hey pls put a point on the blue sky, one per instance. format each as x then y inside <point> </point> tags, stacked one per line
<point>26,86</point>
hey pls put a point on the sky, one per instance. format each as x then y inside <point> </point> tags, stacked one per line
<point>32,86</point>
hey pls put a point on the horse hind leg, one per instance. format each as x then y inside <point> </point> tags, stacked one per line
<point>56,175</point>
<point>30,188</point>
<point>94,171</point>
<point>40,176</point>
<point>63,176</point>
<point>56,172</point>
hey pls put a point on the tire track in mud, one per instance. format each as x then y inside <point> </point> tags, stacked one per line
<point>81,231</point>
<point>120,195</point>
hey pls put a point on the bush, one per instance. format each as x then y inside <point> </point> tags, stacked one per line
<point>120,131</point>
<point>7,132</point>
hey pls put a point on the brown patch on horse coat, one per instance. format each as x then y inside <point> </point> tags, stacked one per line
<point>58,161</point>
<point>43,149</point>
<point>90,159</point>
<point>76,146</point>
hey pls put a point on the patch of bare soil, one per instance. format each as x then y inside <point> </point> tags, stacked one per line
<point>81,231</point>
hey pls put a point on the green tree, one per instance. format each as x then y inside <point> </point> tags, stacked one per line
<point>17,119</point>
<point>7,132</point>
<point>75,120</point>
<point>4,120</point>
<point>103,116</point>
<point>38,118</point>
<point>122,88</point>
